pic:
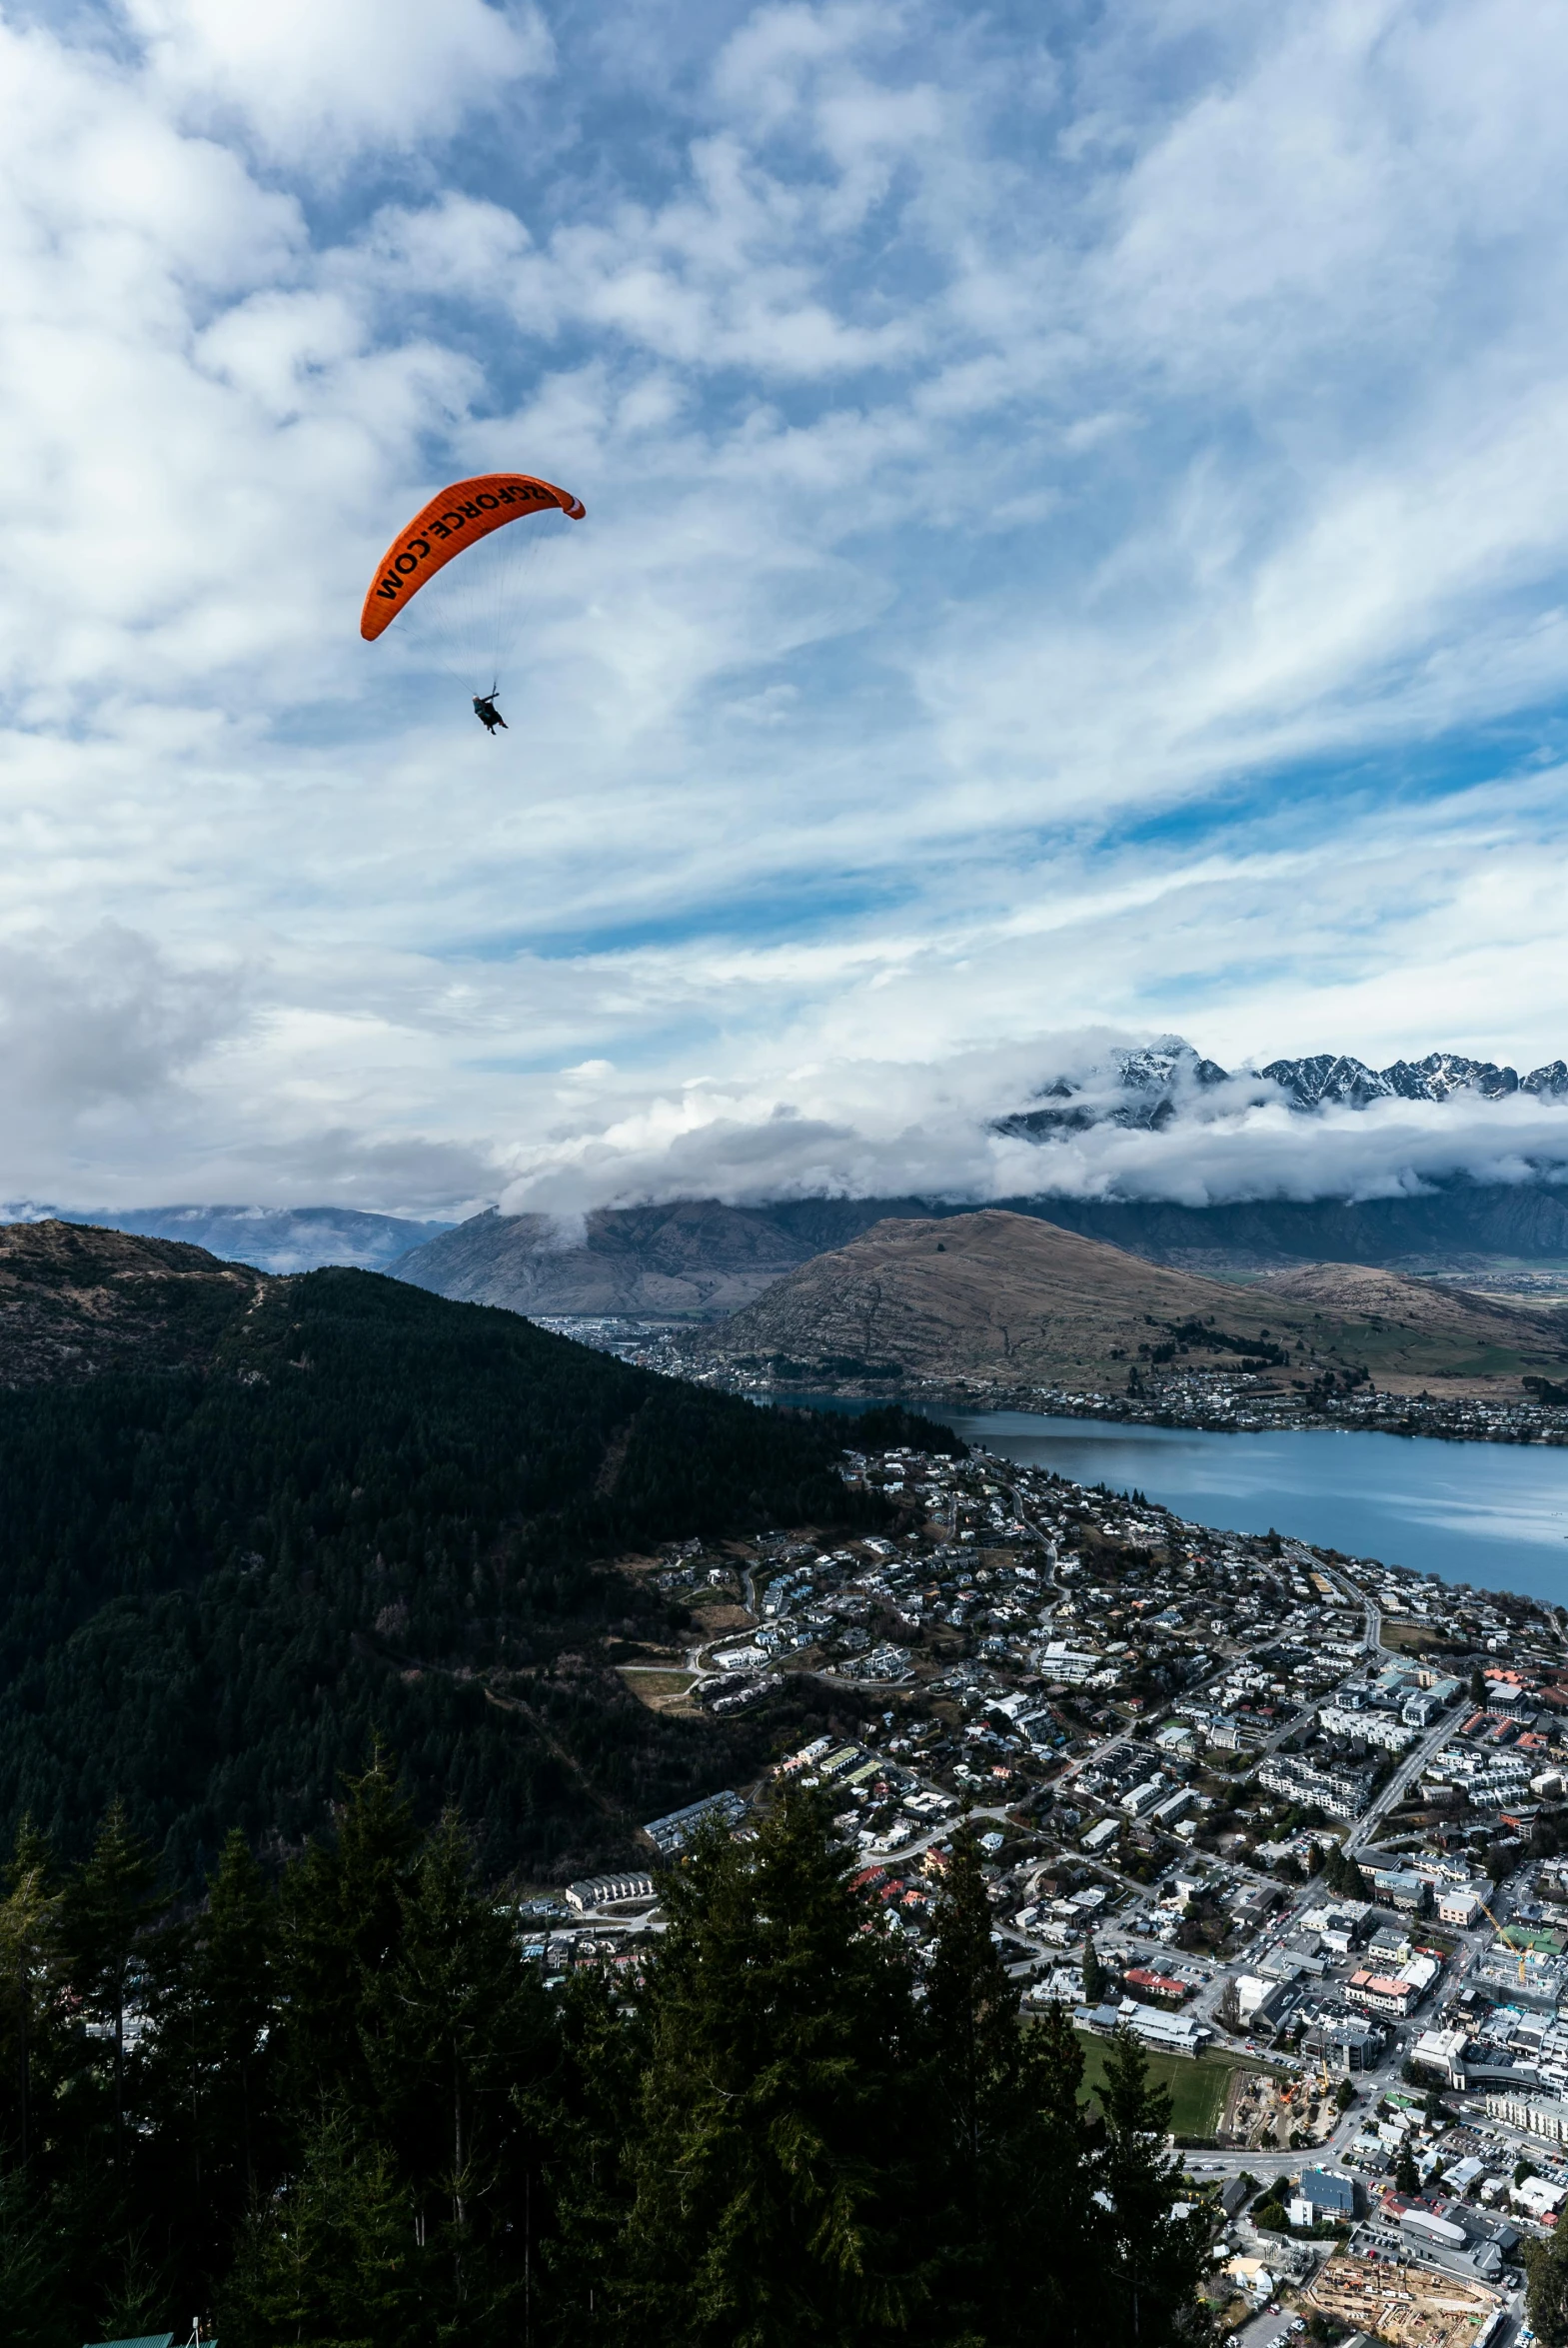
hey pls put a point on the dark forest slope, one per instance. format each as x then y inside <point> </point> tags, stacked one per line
<point>341,1507</point>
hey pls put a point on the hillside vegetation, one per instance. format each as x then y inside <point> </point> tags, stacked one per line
<point>1006,1296</point>
<point>250,1525</point>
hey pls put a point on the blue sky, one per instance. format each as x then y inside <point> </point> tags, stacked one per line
<point>1078,523</point>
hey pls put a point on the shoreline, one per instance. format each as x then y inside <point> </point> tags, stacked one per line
<point>1542,1426</point>
<point>1208,1403</point>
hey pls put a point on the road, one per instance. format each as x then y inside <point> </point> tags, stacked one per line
<point>1354,1596</point>
<point>1398,1785</point>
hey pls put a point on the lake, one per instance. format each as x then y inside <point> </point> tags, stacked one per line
<point>1495,1514</point>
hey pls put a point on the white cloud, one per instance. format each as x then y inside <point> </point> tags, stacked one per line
<point>314,81</point>
<point>869,1129</point>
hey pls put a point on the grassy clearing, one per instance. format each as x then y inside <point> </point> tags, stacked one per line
<point>1408,1638</point>
<point>658,1690</point>
<point>1197,2087</point>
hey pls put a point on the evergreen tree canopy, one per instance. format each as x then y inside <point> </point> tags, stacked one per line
<point>353,2111</point>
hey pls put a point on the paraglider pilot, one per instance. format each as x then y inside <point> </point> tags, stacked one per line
<point>487,713</point>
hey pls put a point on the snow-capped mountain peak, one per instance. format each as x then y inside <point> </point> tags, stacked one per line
<point>1145,1085</point>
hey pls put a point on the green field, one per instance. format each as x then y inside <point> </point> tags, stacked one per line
<point>1197,2087</point>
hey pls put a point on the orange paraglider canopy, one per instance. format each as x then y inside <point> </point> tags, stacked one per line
<point>457,517</point>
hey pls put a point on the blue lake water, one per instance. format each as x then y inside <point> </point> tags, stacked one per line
<point>1495,1514</point>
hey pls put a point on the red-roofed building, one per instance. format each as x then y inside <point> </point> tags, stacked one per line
<point>1381,1993</point>
<point>1161,1985</point>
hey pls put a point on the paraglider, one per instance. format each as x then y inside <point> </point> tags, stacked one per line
<point>469,620</point>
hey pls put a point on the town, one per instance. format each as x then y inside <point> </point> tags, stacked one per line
<point>1291,1817</point>
<point>1234,1399</point>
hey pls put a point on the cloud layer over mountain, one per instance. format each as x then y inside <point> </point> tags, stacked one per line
<point>1120,1122</point>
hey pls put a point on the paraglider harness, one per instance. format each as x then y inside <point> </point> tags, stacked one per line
<point>487,713</point>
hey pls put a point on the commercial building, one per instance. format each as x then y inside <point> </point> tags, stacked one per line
<point>1381,1993</point>
<point>1443,2051</point>
<point>1343,2043</point>
<point>1463,1905</point>
<point>1173,2033</point>
<point>1403,1887</point>
<point>1323,2195</point>
<point>1164,1986</point>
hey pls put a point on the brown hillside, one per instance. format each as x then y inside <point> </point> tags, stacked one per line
<point>76,1300</point>
<point>1009,1297</point>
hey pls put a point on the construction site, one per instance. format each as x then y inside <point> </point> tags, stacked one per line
<point>1408,2306</point>
<point>1262,2109</point>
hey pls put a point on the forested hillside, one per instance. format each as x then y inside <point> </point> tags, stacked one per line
<point>340,1507</point>
<point>346,2110</point>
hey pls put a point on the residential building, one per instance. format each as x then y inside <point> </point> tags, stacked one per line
<point>1342,1793</point>
<point>1383,1729</point>
<point>670,1834</point>
<point>1536,2115</point>
<point>597,1891</point>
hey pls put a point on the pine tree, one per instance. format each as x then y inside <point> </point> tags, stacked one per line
<point>972,2007</point>
<point>332,2258</point>
<point>456,2021</point>
<point>341,1926</point>
<point>33,2266</point>
<point>29,1917</point>
<point>1150,2263</point>
<point>773,2165</point>
<point>108,1905</point>
<point>975,2063</point>
<point>1094,1973</point>
<point>580,2118</point>
<point>1546,2266</point>
<point>1407,2177</point>
<point>1052,2287</point>
<point>214,2054</point>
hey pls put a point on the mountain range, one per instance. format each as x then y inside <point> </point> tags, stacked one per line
<point>1148,1087</point>
<point>1009,1296</point>
<point>701,1258</point>
<point>272,1238</point>
<point>696,1258</point>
